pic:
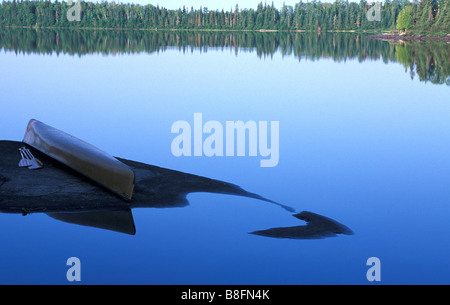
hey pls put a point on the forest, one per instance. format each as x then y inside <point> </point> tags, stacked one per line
<point>420,16</point>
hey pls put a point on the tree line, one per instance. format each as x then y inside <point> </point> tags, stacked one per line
<point>431,15</point>
<point>424,15</point>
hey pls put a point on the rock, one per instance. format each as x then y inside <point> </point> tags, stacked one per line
<point>317,226</point>
<point>403,36</point>
<point>57,188</point>
<point>68,196</point>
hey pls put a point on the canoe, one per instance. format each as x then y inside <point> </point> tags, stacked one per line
<point>82,157</point>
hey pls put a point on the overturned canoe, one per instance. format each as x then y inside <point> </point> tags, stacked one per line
<point>82,157</point>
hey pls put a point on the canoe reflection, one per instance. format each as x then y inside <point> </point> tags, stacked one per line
<point>119,221</point>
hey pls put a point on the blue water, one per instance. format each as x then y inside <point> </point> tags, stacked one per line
<point>360,142</point>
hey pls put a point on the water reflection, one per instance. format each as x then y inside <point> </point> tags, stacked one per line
<point>65,195</point>
<point>119,221</point>
<point>429,61</point>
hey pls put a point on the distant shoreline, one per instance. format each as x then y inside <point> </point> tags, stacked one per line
<point>379,36</point>
<point>184,30</point>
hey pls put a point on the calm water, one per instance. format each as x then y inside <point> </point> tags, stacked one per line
<point>364,139</point>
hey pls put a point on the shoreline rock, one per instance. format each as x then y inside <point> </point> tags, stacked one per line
<point>58,188</point>
<point>66,195</point>
<point>398,37</point>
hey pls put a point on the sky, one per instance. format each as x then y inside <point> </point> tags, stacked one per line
<point>217,4</point>
<point>213,4</point>
<point>210,4</point>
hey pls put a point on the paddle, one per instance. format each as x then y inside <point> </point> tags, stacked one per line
<point>35,163</point>
<point>24,162</point>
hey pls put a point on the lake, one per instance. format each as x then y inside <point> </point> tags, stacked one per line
<point>363,136</point>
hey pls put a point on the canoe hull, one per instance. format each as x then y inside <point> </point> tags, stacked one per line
<point>82,157</point>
